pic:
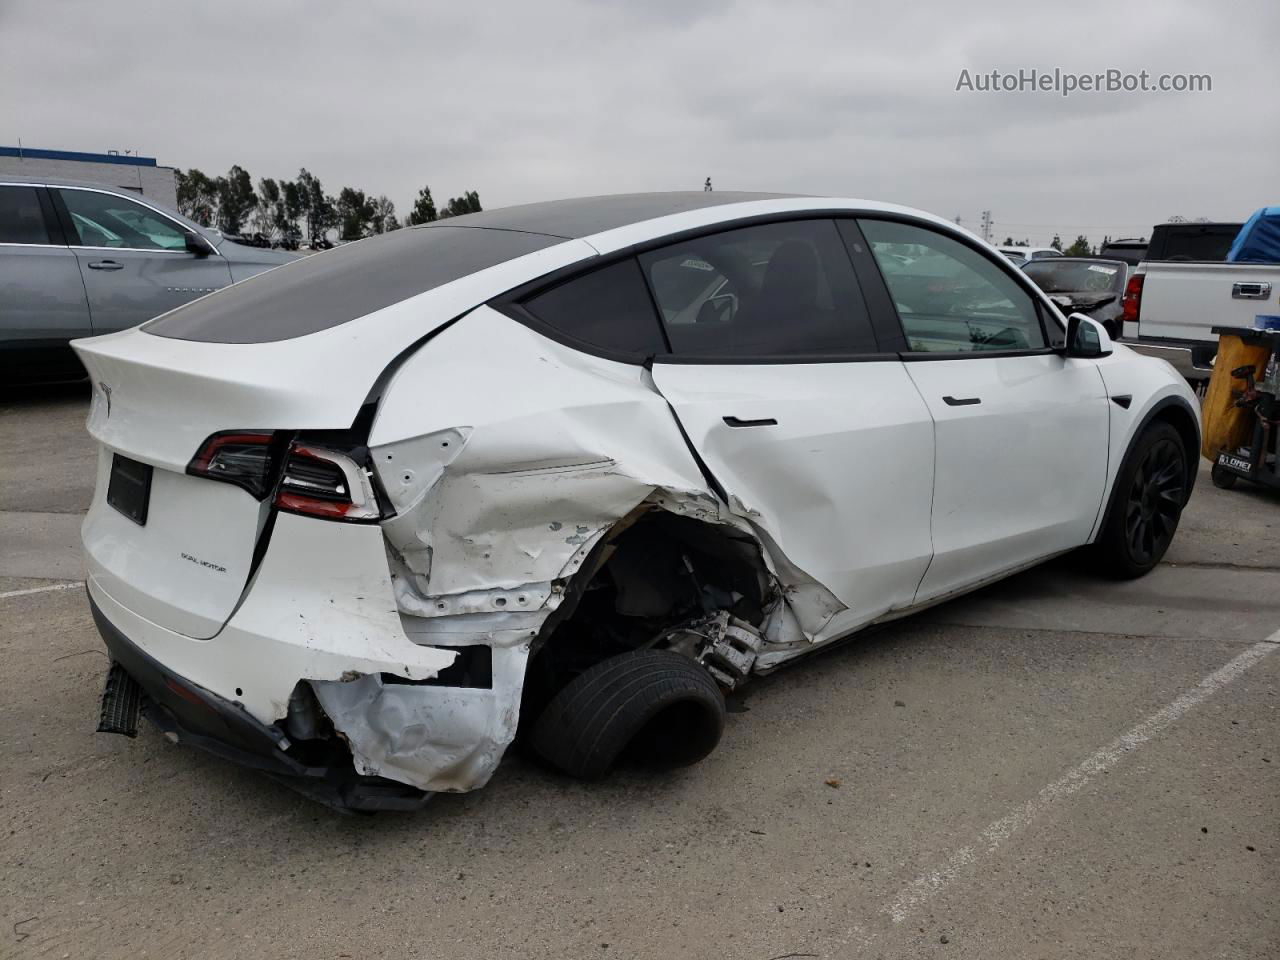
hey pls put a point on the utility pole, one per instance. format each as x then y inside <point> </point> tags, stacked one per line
<point>986,225</point>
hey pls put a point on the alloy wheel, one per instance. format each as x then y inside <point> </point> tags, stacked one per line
<point>1156,495</point>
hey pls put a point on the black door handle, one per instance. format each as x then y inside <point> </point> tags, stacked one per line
<point>105,265</point>
<point>766,422</point>
<point>961,401</point>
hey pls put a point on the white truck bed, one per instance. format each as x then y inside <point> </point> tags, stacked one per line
<point>1182,301</point>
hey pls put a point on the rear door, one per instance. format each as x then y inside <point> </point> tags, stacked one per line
<point>818,439</point>
<point>134,259</point>
<point>42,299</point>
<point>1021,431</point>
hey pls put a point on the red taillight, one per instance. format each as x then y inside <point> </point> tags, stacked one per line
<point>319,482</point>
<point>242,458</point>
<point>307,479</point>
<point>1132,301</point>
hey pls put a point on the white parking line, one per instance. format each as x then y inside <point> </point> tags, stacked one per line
<point>45,589</point>
<point>929,885</point>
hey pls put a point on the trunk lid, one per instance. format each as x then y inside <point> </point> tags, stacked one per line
<point>155,402</point>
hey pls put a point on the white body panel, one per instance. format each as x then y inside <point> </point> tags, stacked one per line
<point>187,567</point>
<point>1150,383</point>
<point>168,395</point>
<point>507,457</point>
<point>1184,301</point>
<point>1020,474</point>
<point>841,483</point>
<point>322,607</point>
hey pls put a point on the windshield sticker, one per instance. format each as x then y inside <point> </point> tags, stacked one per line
<point>1098,268</point>
<point>697,264</point>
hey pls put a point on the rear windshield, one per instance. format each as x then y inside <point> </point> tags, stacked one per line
<point>332,288</point>
<point>1074,276</point>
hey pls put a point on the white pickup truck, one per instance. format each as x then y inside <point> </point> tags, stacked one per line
<point>1171,306</point>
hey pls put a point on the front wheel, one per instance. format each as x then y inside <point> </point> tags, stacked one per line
<point>1146,504</point>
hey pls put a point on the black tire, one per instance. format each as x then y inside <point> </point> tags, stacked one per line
<point>1222,479</point>
<point>660,704</point>
<point>1146,504</point>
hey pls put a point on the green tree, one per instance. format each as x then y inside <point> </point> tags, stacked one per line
<point>197,196</point>
<point>292,199</point>
<point>236,199</point>
<point>355,214</point>
<point>1080,248</point>
<point>318,208</point>
<point>269,216</point>
<point>424,209</point>
<point>469,202</point>
<point>384,216</point>
<point>1056,242</point>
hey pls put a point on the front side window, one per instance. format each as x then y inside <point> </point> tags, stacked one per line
<point>778,289</point>
<point>20,218</point>
<point>105,220</point>
<point>949,297</point>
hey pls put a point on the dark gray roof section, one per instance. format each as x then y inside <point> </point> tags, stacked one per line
<point>332,288</point>
<point>583,216</point>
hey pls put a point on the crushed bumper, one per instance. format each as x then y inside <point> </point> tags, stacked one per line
<point>188,713</point>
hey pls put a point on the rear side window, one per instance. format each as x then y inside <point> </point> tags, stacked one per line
<point>608,308</point>
<point>20,218</point>
<point>778,289</point>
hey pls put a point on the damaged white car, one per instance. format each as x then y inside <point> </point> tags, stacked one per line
<point>574,469</point>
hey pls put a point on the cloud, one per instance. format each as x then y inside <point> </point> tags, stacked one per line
<point>566,97</point>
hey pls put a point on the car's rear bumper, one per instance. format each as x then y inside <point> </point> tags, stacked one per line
<point>188,713</point>
<point>428,703</point>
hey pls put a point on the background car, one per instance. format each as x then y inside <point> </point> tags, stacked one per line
<point>1084,285</point>
<point>78,259</point>
<point>578,467</point>
<point>1030,253</point>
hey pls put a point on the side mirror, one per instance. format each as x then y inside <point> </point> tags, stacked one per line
<point>1087,338</point>
<point>199,244</point>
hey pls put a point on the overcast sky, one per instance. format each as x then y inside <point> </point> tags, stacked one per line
<point>527,101</point>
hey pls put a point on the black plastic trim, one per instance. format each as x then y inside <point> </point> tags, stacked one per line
<point>52,225</point>
<point>925,356</point>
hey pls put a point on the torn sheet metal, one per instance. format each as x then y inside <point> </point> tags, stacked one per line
<point>498,506</point>
<point>437,738</point>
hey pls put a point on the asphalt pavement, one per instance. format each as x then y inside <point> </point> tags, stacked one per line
<point>1056,766</point>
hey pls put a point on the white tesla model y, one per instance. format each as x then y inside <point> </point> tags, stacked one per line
<point>574,469</point>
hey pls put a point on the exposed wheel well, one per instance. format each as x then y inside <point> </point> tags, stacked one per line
<point>655,570</point>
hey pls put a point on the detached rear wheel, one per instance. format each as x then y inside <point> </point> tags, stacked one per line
<point>657,705</point>
<point>1147,503</point>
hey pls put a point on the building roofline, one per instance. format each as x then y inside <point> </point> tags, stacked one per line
<point>28,153</point>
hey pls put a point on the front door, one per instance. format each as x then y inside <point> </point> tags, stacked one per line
<point>1021,431</point>
<point>819,440</point>
<point>134,260</point>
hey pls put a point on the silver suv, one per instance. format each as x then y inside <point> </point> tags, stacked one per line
<point>79,259</point>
